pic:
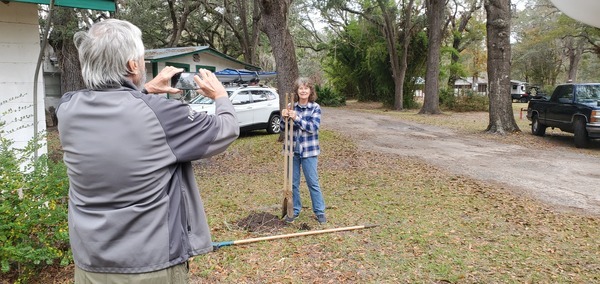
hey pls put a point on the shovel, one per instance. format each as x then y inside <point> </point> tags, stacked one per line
<point>288,159</point>
<point>217,245</point>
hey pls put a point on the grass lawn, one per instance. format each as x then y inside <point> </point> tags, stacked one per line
<point>433,227</point>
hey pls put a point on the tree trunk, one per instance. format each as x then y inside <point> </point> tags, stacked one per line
<point>391,36</point>
<point>180,24</point>
<point>457,40</point>
<point>274,24</point>
<point>575,50</point>
<point>502,120</point>
<point>250,37</point>
<point>243,18</point>
<point>406,38</point>
<point>66,52</point>
<point>435,16</point>
<point>453,76</point>
<point>68,58</point>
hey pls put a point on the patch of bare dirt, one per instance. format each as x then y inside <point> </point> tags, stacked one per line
<point>265,223</point>
<point>261,222</point>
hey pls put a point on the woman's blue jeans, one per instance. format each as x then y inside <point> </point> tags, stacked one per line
<point>309,168</point>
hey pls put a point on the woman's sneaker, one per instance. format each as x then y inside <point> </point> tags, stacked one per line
<point>290,220</point>
<point>321,219</point>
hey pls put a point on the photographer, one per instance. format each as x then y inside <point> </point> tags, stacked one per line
<point>135,212</point>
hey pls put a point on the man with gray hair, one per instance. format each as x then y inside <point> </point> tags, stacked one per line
<point>135,212</point>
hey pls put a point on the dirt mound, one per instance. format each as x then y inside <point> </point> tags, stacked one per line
<point>262,222</point>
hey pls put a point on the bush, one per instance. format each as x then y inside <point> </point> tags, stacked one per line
<point>447,99</point>
<point>33,211</point>
<point>468,101</point>
<point>327,97</point>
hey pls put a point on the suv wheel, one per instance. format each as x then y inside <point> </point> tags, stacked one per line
<point>274,125</point>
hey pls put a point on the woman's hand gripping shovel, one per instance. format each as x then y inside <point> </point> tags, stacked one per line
<point>288,160</point>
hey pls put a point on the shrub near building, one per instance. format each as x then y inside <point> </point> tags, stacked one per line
<point>469,101</point>
<point>33,212</point>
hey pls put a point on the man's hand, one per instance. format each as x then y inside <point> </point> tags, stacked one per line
<point>162,82</point>
<point>209,85</point>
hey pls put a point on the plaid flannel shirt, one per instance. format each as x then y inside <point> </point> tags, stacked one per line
<point>306,129</point>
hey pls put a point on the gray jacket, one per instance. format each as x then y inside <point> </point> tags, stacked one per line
<point>134,205</point>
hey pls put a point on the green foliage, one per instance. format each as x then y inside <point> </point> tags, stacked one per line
<point>417,54</point>
<point>463,102</point>
<point>345,65</point>
<point>328,97</point>
<point>447,98</point>
<point>410,87</point>
<point>152,17</point>
<point>544,40</point>
<point>358,64</point>
<point>33,211</point>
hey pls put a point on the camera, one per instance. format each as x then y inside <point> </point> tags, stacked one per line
<point>184,81</point>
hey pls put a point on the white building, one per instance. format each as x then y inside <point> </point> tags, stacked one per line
<point>21,109</point>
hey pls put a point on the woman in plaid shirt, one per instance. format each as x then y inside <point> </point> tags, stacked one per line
<point>306,116</point>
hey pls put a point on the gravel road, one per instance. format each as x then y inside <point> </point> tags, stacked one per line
<point>566,180</point>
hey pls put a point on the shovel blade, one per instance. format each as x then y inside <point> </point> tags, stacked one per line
<point>290,207</point>
<point>284,208</point>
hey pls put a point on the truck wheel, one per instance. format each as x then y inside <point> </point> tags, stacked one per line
<point>581,136</point>
<point>537,128</point>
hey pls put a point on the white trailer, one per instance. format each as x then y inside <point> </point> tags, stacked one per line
<point>518,91</point>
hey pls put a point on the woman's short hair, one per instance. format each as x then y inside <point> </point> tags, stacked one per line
<point>303,81</point>
<point>104,51</point>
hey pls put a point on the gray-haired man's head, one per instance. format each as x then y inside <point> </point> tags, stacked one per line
<point>111,52</point>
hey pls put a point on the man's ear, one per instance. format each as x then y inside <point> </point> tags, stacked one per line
<point>132,67</point>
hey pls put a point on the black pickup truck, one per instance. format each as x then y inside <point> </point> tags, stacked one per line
<point>573,108</point>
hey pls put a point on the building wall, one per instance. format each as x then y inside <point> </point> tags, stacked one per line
<point>19,51</point>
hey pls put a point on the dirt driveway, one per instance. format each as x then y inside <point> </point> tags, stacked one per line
<point>564,179</point>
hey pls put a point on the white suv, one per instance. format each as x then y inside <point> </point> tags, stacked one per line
<point>257,107</point>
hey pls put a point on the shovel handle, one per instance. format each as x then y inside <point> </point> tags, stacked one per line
<point>217,245</point>
<point>289,195</point>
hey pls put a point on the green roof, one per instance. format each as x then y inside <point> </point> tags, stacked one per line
<point>101,5</point>
<point>162,54</point>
